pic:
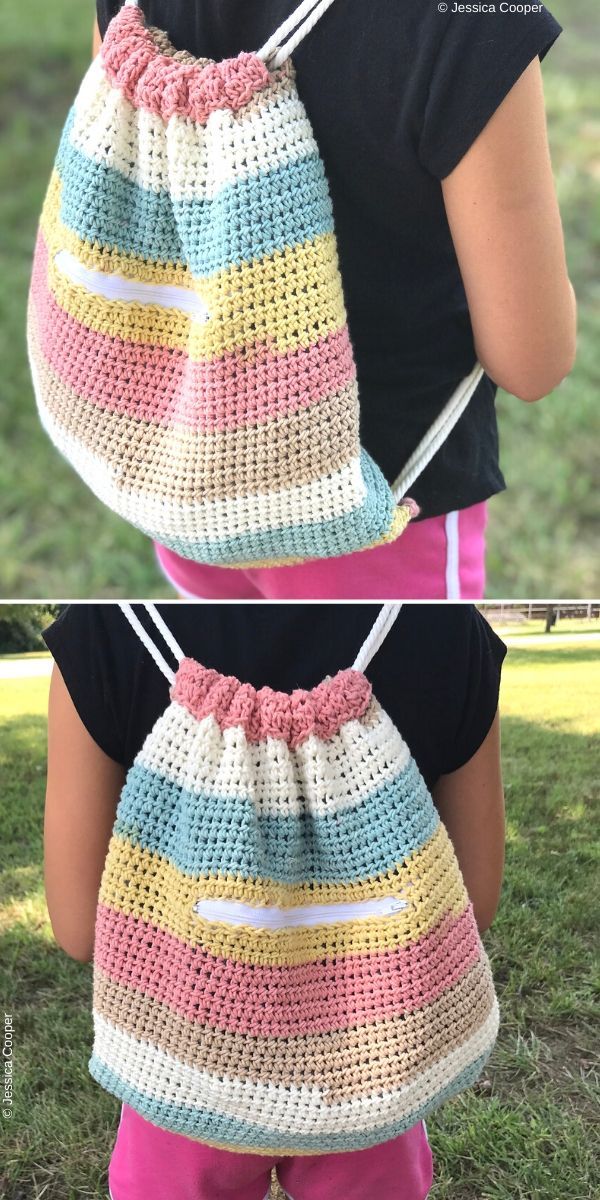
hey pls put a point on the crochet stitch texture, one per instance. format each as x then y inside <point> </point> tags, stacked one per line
<point>286,958</point>
<point>187,330</point>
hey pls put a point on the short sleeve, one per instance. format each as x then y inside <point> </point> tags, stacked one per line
<point>478,693</point>
<point>480,57</point>
<point>84,651</point>
<point>106,10</point>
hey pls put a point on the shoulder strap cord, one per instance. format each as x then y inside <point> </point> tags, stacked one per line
<point>146,640</point>
<point>305,16</point>
<point>367,652</point>
<point>312,10</point>
<point>436,435</point>
<point>377,636</point>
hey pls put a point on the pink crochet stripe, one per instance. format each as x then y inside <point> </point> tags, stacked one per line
<point>245,387</point>
<point>264,713</point>
<point>164,85</point>
<point>290,1001</point>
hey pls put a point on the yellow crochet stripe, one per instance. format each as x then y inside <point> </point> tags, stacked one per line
<point>400,519</point>
<point>163,896</point>
<point>101,258</point>
<point>275,317</point>
<point>270,301</point>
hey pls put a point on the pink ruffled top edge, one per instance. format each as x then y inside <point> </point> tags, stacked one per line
<point>169,86</point>
<point>264,713</point>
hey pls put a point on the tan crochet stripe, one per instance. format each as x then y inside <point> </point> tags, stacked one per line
<point>292,450</point>
<point>161,39</point>
<point>372,714</point>
<point>283,86</point>
<point>403,1046</point>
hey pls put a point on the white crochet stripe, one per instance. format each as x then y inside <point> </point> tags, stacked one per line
<point>333,495</point>
<point>117,287</point>
<point>158,1075</point>
<point>234,912</point>
<point>313,778</point>
<point>180,157</point>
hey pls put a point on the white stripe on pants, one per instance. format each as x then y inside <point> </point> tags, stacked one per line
<point>452,556</point>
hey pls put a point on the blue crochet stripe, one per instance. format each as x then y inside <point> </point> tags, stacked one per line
<point>205,835</point>
<point>356,530</point>
<point>206,1126</point>
<point>246,220</point>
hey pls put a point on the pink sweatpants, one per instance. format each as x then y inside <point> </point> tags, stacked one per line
<point>150,1164</point>
<point>441,558</point>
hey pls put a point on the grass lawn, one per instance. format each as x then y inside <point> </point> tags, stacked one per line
<point>525,1132</point>
<point>57,540</point>
<point>538,629</point>
<point>30,654</point>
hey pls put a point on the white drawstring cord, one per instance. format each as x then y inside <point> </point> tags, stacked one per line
<point>377,636</point>
<point>437,434</point>
<point>163,628</point>
<point>385,619</point>
<point>146,640</point>
<point>311,9</point>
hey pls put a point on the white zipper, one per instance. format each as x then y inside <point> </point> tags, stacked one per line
<point>117,287</point>
<point>233,912</point>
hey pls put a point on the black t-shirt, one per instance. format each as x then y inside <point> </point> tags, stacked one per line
<point>396,92</point>
<point>437,674</point>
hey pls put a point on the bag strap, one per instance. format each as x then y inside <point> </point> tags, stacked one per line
<point>375,639</point>
<point>305,16</point>
<point>146,640</point>
<point>372,643</point>
<point>437,433</point>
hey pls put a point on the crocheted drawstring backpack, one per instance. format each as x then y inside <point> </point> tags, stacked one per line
<point>286,959</point>
<point>187,331</point>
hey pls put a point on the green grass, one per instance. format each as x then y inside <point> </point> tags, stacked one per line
<point>525,1132</point>
<point>538,629</point>
<point>28,654</point>
<point>57,540</point>
<point>529,1127</point>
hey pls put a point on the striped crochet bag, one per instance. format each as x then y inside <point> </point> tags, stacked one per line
<point>187,330</point>
<point>286,959</point>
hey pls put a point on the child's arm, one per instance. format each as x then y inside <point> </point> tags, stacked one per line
<point>81,799</point>
<point>470,802</point>
<point>97,40</point>
<point>505,222</point>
